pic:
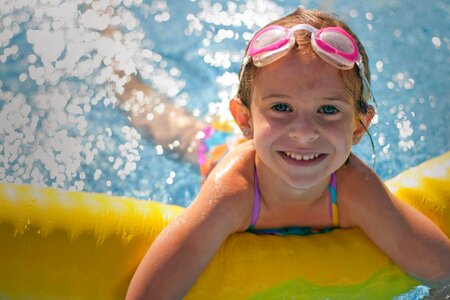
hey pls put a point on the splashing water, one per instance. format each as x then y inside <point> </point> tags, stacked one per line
<point>60,121</point>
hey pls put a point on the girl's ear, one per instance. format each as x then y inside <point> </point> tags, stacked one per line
<point>362,124</point>
<point>242,116</point>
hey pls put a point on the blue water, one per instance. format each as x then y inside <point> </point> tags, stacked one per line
<point>59,126</point>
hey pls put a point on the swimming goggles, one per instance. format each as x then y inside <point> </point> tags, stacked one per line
<point>333,44</point>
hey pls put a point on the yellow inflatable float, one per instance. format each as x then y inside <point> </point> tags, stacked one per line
<point>71,245</point>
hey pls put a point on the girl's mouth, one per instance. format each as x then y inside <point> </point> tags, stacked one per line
<point>302,157</point>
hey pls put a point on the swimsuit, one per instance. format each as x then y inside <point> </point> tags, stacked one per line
<point>295,230</point>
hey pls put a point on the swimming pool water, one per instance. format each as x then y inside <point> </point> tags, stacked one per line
<point>59,125</point>
<point>60,128</point>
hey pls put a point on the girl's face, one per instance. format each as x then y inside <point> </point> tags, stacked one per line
<point>303,119</point>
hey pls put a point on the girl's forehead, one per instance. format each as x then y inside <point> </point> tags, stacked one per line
<point>298,71</point>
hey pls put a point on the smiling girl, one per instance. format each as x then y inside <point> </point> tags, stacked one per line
<point>302,103</point>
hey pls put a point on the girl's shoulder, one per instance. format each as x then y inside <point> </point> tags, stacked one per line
<point>230,184</point>
<point>355,169</point>
<point>237,165</point>
<point>357,186</point>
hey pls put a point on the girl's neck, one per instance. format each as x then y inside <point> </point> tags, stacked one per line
<point>274,190</point>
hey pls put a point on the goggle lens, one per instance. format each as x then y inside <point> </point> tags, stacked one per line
<point>337,41</point>
<point>268,38</point>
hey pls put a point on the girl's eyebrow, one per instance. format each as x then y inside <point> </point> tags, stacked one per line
<point>275,95</point>
<point>346,100</point>
<point>340,99</point>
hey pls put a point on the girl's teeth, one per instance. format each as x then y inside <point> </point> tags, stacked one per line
<point>302,157</point>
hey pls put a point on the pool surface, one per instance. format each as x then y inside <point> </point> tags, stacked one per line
<point>60,125</point>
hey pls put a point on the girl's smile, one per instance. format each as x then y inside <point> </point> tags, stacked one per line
<point>305,160</point>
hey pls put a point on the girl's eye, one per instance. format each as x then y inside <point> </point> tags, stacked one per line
<point>281,107</point>
<point>328,109</point>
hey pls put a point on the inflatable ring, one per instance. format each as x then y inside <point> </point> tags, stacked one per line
<point>74,245</point>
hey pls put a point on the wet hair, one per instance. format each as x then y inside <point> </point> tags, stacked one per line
<point>318,19</point>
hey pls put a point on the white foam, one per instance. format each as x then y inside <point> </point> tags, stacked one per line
<point>409,182</point>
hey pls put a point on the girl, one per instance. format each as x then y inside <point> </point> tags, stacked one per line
<point>301,104</point>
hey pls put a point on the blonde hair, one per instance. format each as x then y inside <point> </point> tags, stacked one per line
<point>318,19</point>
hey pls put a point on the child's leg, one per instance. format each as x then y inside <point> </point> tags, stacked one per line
<point>172,127</point>
<point>154,115</point>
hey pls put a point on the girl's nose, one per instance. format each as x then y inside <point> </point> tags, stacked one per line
<point>304,130</point>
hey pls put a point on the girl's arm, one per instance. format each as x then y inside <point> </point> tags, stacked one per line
<point>182,251</point>
<point>407,236</point>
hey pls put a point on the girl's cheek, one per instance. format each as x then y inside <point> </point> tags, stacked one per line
<point>268,129</point>
<point>261,124</point>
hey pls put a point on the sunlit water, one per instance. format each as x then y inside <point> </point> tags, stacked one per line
<point>59,121</point>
